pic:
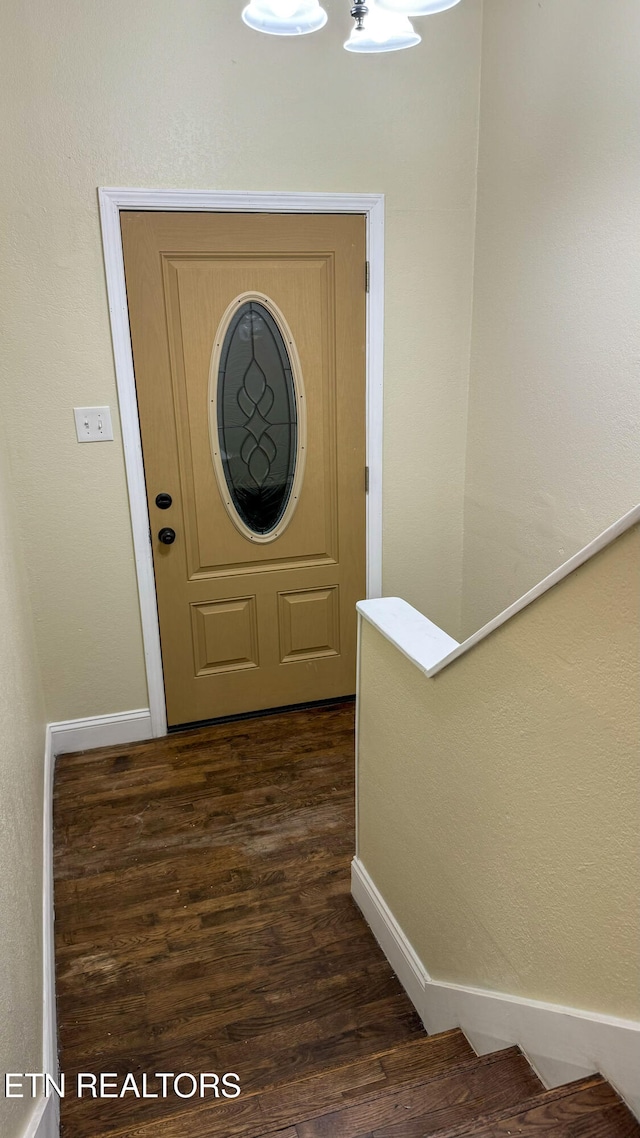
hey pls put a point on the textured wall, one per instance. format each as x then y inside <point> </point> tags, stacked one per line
<point>21,783</point>
<point>502,831</point>
<point>554,395</point>
<point>168,94</point>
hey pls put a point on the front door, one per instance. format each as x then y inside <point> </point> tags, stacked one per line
<point>248,335</point>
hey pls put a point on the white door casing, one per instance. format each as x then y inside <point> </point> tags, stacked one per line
<point>111,201</point>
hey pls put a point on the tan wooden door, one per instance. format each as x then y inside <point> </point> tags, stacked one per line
<point>248,334</point>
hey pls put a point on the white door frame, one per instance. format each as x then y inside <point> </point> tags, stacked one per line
<point>111,201</point>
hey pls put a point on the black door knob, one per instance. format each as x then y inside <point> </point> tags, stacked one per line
<point>167,536</point>
<point>163,501</point>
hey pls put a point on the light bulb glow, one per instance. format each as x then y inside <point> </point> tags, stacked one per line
<point>417,7</point>
<point>383,31</point>
<point>285,17</point>
<point>284,8</point>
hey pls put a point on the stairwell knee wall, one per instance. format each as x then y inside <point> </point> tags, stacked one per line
<point>496,801</point>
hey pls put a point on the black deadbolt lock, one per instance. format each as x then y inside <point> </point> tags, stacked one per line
<point>163,501</point>
<point>167,536</point>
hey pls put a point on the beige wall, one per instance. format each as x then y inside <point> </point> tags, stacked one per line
<point>554,396</point>
<point>502,829</point>
<point>21,790</point>
<point>166,94</point>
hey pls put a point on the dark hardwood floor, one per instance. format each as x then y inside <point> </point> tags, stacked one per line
<point>204,923</point>
<point>203,914</point>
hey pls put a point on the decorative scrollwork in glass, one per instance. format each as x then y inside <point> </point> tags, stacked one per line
<point>256,433</point>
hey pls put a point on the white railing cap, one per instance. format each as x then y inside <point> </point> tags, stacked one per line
<point>430,648</point>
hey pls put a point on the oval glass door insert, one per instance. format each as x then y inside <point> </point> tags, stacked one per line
<point>257,417</point>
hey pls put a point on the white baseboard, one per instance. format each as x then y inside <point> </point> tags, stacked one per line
<point>405,962</point>
<point>45,1120</point>
<point>49,1025</point>
<point>561,1043</point>
<point>100,731</point>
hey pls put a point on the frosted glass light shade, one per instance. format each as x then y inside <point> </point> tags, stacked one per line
<point>383,31</point>
<point>417,7</point>
<point>285,17</point>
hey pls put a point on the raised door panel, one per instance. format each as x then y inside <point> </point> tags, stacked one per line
<point>309,623</point>
<point>225,635</point>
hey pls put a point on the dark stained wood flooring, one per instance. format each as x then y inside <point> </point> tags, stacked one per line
<point>204,923</point>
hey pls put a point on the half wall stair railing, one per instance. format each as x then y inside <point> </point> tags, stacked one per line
<point>497,814</point>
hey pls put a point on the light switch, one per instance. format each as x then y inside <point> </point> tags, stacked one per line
<point>93,424</point>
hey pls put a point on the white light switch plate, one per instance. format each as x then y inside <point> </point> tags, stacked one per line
<point>93,424</point>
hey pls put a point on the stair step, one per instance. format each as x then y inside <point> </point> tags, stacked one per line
<point>430,1086</point>
<point>279,1107</point>
<point>415,1061</point>
<point>589,1108</point>
<point>585,1109</point>
<point>460,1095</point>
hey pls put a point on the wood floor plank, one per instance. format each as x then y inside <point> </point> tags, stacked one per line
<point>593,1111</point>
<point>220,1119</point>
<point>613,1122</point>
<point>290,1132</point>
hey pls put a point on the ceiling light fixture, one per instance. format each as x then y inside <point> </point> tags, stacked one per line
<point>382,31</point>
<point>285,17</point>
<point>380,25</point>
